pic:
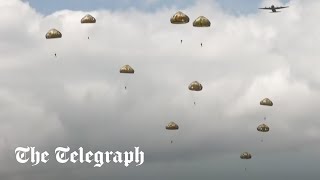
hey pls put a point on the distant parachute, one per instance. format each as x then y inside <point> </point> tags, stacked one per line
<point>266,102</point>
<point>88,19</point>
<point>245,155</point>
<point>179,18</point>
<point>53,34</point>
<point>263,128</point>
<point>126,69</point>
<point>195,86</point>
<point>172,126</point>
<point>201,21</point>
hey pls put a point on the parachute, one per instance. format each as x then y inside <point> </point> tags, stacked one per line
<point>172,126</point>
<point>266,102</point>
<point>88,19</point>
<point>53,34</point>
<point>263,128</point>
<point>195,86</point>
<point>245,155</point>
<point>179,18</point>
<point>202,22</point>
<point>126,69</point>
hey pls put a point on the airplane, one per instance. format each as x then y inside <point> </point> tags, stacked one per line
<point>274,9</point>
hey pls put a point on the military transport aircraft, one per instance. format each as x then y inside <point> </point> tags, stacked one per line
<point>274,9</point>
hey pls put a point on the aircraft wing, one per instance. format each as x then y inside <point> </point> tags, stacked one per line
<point>281,7</point>
<point>266,8</point>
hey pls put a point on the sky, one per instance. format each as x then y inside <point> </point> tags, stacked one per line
<point>47,6</point>
<point>77,99</point>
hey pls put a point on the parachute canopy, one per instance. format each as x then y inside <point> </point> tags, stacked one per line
<point>266,102</point>
<point>179,18</point>
<point>88,19</point>
<point>263,128</point>
<point>201,21</point>
<point>245,155</point>
<point>53,33</point>
<point>195,86</point>
<point>172,126</point>
<point>127,69</point>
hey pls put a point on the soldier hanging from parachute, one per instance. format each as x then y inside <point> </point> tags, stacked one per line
<point>263,128</point>
<point>54,34</point>
<point>179,18</point>
<point>266,102</point>
<point>195,86</point>
<point>126,69</point>
<point>88,19</point>
<point>245,156</point>
<point>172,126</point>
<point>201,22</point>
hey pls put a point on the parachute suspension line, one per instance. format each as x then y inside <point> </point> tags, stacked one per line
<point>126,81</point>
<point>245,167</point>
<point>53,34</point>
<point>171,137</point>
<point>125,85</point>
<point>126,70</point>
<point>193,98</point>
